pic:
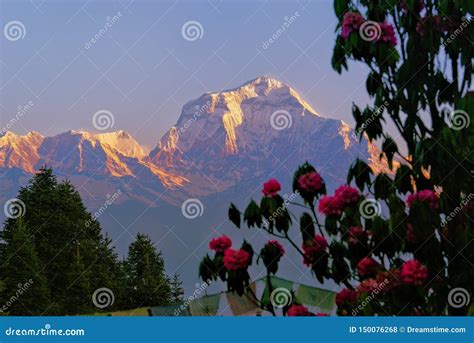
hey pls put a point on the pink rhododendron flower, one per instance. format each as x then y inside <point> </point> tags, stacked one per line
<point>314,249</point>
<point>357,235</point>
<point>298,311</point>
<point>427,196</point>
<point>236,259</point>
<point>413,272</point>
<point>346,296</point>
<point>368,286</point>
<point>347,194</point>
<point>331,205</point>
<point>277,245</point>
<point>387,34</point>
<point>271,188</point>
<point>367,266</point>
<point>220,244</point>
<point>310,182</point>
<point>351,23</point>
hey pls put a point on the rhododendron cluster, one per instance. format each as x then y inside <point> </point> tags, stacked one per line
<point>271,188</point>
<point>357,235</point>
<point>387,34</point>
<point>413,272</point>
<point>346,297</point>
<point>367,266</point>
<point>236,259</point>
<point>427,196</point>
<point>310,182</point>
<point>220,244</point>
<point>314,250</point>
<point>278,246</point>
<point>351,23</point>
<point>334,205</point>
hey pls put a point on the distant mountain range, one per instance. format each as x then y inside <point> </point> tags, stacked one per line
<point>258,130</point>
<point>222,148</point>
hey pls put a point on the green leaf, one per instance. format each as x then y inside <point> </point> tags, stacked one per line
<point>383,186</point>
<point>307,227</point>
<point>360,171</point>
<point>389,148</point>
<point>403,179</point>
<point>234,215</point>
<point>253,215</point>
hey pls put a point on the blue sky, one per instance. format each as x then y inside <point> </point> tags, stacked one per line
<point>143,70</point>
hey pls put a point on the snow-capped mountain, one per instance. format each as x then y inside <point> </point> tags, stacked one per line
<point>260,129</point>
<point>221,140</point>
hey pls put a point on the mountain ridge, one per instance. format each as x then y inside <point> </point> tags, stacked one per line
<point>220,139</point>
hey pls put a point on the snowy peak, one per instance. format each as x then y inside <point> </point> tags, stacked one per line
<point>20,151</point>
<point>229,118</point>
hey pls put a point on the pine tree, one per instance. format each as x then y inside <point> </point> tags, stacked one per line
<point>61,229</point>
<point>177,290</point>
<point>147,282</point>
<point>25,290</point>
